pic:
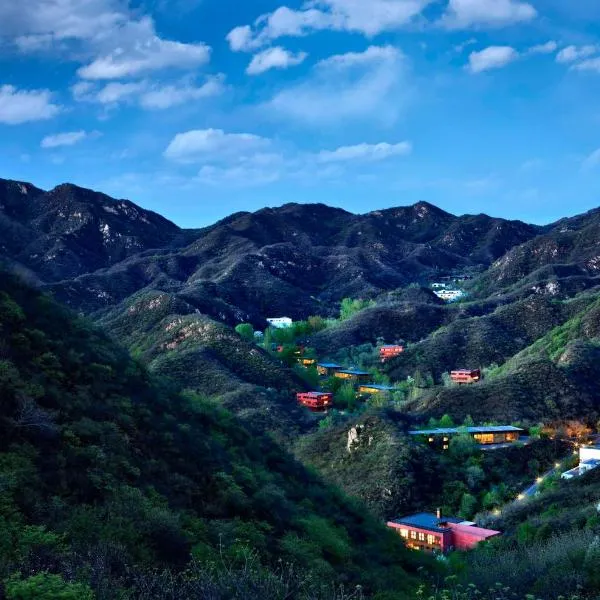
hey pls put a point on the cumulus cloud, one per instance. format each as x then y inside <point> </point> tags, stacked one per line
<point>347,86</point>
<point>463,14</point>
<point>69,138</point>
<point>369,18</point>
<point>111,41</point>
<point>365,152</point>
<point>493,57</point>
<point>203,145</point>
<point>21,106</point>
<point>572,54</point>
<point>274,58</point>
<point>140,50</point>
<point>146,94</point>
<point>173,95</point>
<point>591,64</point>
<point>547,48</point>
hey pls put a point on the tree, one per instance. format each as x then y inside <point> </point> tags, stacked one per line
<point>245,331</point>
<point>446,422</point>
<point>468,506</point>
<point>346,397</point>
<point>45,586</point>
<point>463,446</point>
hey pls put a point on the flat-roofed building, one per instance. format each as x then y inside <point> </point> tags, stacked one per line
<point>431,532</point>
<point>353,375</point>
<point>500,434</point>
<point>589,458</point>
<point>328,369</point>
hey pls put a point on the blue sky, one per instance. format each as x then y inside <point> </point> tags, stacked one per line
<point>200,108</point>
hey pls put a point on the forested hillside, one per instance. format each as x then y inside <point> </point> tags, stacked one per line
<point>109,476</point>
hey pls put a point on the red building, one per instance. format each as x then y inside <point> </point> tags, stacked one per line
<point>465,376</point>
<point>433,533</point>
<point>387,352</point>
<point>315,400</point>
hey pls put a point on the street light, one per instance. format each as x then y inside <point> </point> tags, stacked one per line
<point>520,497</point>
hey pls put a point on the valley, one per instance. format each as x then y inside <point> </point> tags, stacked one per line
<point>417,361</point>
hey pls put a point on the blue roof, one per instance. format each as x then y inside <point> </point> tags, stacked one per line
<point>451,430</point>
<point>426,521</point>
<point>330,365</point>
<point>353,372</point>
<point>382,388</point>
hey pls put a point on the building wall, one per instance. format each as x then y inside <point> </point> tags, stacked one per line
<point>588,453</point>
<point>423,539</point>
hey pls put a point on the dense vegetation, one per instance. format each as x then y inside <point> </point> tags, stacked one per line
<point>108,474</point>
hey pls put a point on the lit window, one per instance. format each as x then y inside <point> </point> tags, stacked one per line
<point>421,537</point>
<point>445,446</point>
<point>445,439</point>
<point>404,533</point>
<point>431,439</point>
<point>413,535</point>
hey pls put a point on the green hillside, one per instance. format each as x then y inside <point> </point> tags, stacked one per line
<point>107,474</point>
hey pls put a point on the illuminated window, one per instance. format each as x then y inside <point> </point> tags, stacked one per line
<point>421,537</point>
<point>445,439</point>
<point>445,446</point>
<point>431,439</point>
<point>413,535</point>
<point>404,533</point>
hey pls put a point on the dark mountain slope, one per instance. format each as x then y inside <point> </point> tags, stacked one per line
<point>568,249</point>
<point>299,259</point>
<point>554,379</point>
<point>108,475</point>
<point>200,354</point>
<point>69,230</point>
<point>478,341</point>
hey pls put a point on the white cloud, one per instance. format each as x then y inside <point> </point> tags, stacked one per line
<point>110,40</point>
<point>370,85</point>
<point>591,64</point>
<point>63,139</point>
<point>140,51</point>
<point>274,58</point>
<point>547,48</point>
<point>147,95</point>
<point>209,145</point>
<point>174,95</point>
<point>592,161</point>
<point>493,57</point>
<point>369,18</point>
<point>365,152</point>
<point>573,53</point>
<point>115,92</point>
<point>462,14</point>
<point>238,176</point>
<point>21,106</point>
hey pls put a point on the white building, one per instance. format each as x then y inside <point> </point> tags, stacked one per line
<point>589,458</point>
<point>280,322</point>
<point>449,295</point>
<point>438,286</point>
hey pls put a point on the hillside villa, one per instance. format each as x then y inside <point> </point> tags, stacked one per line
<point>501,434</point>
<point>307,362</point>
<point>462,376</point>
<point>433,533</point>
<point>280,322</point>
<point>589,458</point>
<point>315,401</point>
<point>328,369</point>
<point>354,376</point>
<point>390,351</point>
<point>449,295</point>
<point>374,388</point>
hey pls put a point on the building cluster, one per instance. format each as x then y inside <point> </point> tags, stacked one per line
<point>589,458</point>
<point>435,533</point>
